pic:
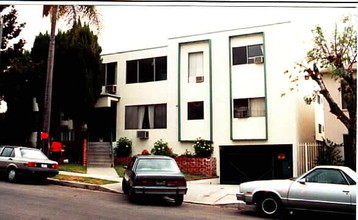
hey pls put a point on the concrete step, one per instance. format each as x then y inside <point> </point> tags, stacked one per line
<point>99,154</point>
<point>99,164</point>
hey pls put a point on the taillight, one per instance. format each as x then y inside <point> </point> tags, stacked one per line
<point>55,166</point>
<point>176,183</point>
<point>31,164</point>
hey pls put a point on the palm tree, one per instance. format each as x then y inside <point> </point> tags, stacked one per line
<point>56,12</point>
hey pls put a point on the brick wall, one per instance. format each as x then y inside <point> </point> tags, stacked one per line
<point>197,166</point>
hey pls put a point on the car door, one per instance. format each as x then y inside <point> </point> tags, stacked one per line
<point>6,156</point>
<point>322,189</point>
<point>2,164</point>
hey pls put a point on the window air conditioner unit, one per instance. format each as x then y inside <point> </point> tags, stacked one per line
<point>199,79</point>
<point>111,89</point>
<point>143,134</point>
<point>258,59</point>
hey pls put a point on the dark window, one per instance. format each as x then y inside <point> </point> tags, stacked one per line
<point>160,68</point>
<point>326,176</point>
<point>254,51</point>
<point>146,70</point>
<point>250,107</point>
<point>195,110</point>
<point>241,108</point>
<point>8,152</point>
<point>239,55</point>
<point>160,116</point>
<point>246,54</point>
<point>132,72</point>
<point>109,73</point>
<point>146,116</point>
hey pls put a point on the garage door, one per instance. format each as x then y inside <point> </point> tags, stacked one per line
<point>246,163</point>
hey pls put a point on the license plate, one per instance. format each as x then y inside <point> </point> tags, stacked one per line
<point>44,165</point>
<point>160,183</point>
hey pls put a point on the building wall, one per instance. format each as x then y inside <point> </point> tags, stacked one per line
<point>286,122</point>
<point>334,129</point>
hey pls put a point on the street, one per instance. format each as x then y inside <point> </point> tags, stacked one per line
<point>47,201</point>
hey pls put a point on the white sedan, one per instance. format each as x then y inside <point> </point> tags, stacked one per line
<point>324,188</point>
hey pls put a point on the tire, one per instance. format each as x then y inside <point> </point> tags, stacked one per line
<point>269,206</point>
<point>125,187</point>
<point>132,196</point>
<point>179,199</point>
<point>41,179</point>
<point>12,175</point>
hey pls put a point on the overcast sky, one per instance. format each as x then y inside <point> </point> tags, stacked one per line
<point>142,25</point>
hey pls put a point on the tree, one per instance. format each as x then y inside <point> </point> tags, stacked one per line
<point>337,57</point>
<point>10,32</point>
<point>76,76</point>
<point>56,12</point>
<point>16,82</point>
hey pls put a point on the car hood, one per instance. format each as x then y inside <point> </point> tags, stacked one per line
<point>277,185</point>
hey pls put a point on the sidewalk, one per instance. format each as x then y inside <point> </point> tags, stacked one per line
<point>206,192</point>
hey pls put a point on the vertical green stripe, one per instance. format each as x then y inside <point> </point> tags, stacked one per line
<point>179,96</point>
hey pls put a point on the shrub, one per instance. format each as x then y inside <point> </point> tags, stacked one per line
<point>161,148</point>
<point>187,154</point>
<point>329,154</point>
<point>124,147</point>
<point>203,148</point>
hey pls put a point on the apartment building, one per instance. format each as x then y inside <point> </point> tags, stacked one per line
<point>222,86</point>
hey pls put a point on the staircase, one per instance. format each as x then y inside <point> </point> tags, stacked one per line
<point>99,154</point>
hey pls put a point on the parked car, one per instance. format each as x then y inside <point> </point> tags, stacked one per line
<point>16,161</point>
<point>324,188</point>
<point>154,175</point>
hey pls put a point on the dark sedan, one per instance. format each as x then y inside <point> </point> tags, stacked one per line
<point>154,175</point>
<point>18,161</point>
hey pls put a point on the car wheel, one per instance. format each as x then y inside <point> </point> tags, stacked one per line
<point>269,206</point>
<point>124,186</point>
<point>41,179</point>
<point>12,175</point>
<point>179,199</point>
<point>132,196</point>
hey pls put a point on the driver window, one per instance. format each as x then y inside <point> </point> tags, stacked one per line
<point>329,176</point>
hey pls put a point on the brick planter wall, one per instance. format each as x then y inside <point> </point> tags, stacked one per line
<point>193,165</point>
<point>198,166</point>
<point>122,160</point>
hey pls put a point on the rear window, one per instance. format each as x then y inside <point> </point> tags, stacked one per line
<point>157,165</point>
<point>32,154</point>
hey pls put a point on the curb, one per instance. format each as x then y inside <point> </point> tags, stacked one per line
<point>81,185</point>
<point>102,188</point>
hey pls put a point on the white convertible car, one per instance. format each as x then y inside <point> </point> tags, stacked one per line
<point>324,188</point>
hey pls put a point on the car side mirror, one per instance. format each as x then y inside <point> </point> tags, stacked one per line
<point>302,181</point>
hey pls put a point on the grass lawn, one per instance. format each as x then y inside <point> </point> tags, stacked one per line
<point>120,170</point>
<point>76,168</point>
<point>89,180</point>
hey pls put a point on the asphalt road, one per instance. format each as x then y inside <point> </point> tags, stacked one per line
<point>33,201</point>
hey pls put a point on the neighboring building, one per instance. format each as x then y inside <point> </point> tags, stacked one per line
<point>223,86</point>
<point>333,128</point>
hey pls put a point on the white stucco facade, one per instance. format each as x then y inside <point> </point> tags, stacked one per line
<point>220,89</point>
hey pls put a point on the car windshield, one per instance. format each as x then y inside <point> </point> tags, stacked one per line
<point>157,165</point>
<point>32,154</point>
